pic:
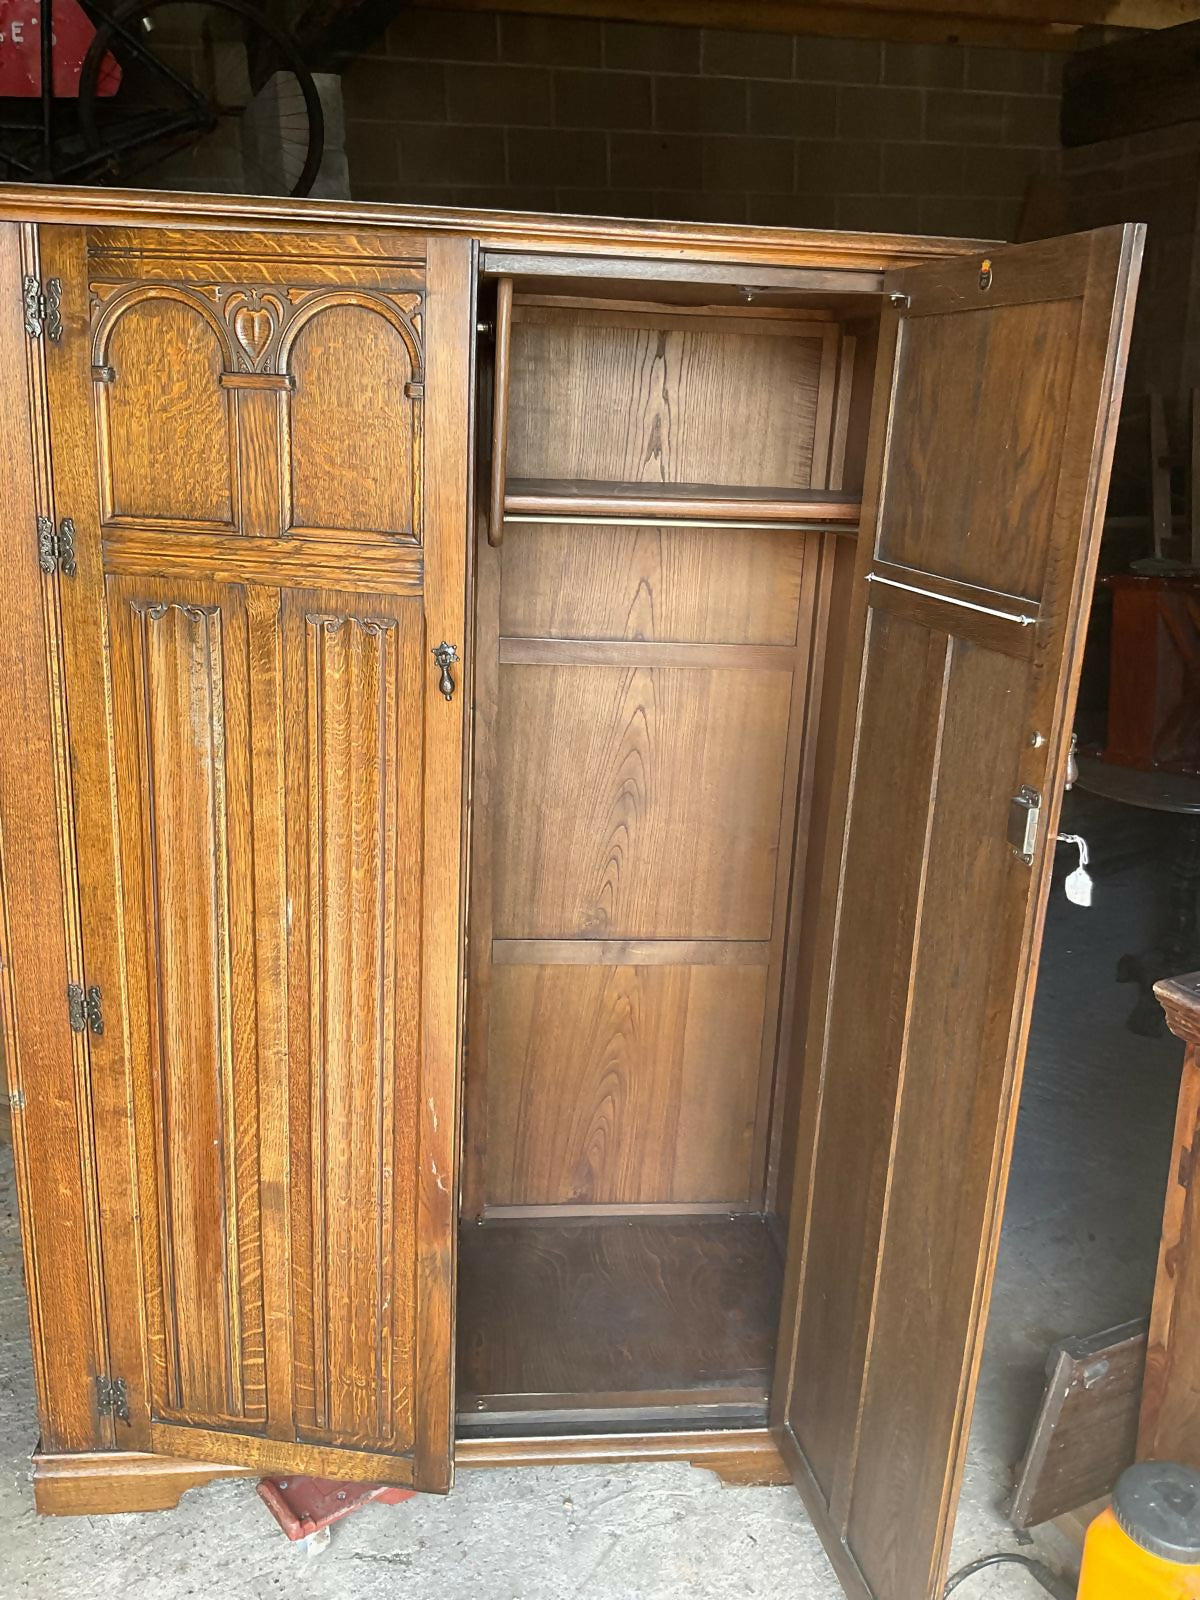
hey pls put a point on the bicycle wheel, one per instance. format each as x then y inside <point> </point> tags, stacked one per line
<point>211,95</point>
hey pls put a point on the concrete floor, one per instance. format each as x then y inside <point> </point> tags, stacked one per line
<point>1077,1256</point>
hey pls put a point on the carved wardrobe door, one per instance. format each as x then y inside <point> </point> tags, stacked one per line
<point>261,441</point>
<point>998,388</point>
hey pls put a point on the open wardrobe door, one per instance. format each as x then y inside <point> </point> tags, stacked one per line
<point>995,410</point>
<point>254,457</point>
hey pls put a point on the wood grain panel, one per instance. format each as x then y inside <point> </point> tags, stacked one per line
<point>172,459</point>
<point>1169,1425</point>
<point>355,463</point>
<point>351,670</point>
<point>829,666</point>
<point>261,488</point>
<point>181,724</point>
<point>646,399</point>
<point>1086,1429</point>
<point>930,922</point>
<point>367,565</point>
<point>619,811</point>
<point>615,1314</point>
<point>277,971</point>
<point>884,868</point>
<point>700,586</point>
<point>631,952</point>
<point>621,1084</point>
<point>738,1456</point>
<point>213,254</point>
<point>1004,485</point>
<point>923,1292</point>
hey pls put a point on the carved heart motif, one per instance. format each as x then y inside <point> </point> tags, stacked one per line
<point>252,328</point>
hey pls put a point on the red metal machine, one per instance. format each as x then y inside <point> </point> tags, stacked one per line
<point>21,48</point>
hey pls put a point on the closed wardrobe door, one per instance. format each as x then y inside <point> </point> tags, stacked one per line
<point>261,441</point>
<point>995,409</point>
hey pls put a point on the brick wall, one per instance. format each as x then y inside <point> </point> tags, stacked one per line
<point>466,108</point>
<point>1151,177</point>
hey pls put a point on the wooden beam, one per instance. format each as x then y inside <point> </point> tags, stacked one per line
<point>1149,81</point>
<point>1027,24</point>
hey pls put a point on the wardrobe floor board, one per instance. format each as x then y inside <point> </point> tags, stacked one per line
<point>615,1322</point>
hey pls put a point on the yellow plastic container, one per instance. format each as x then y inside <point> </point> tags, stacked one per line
<point>1146,1546</point>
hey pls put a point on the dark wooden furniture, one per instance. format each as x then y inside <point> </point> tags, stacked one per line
<point>550,729</point>
<point>1154,681</point>
<point>1169,1429</point>
<point>1085,1434</point>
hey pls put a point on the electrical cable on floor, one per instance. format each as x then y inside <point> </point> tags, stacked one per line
<point>1060,1588</point>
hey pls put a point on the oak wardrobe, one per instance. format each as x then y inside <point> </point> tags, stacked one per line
<point>531,753</point>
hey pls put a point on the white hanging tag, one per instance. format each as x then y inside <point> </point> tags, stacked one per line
<point>1079,882</point>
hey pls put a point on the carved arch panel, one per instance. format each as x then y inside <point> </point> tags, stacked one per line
<point>166,431</point>
<point>260,409</point>
<point>354,417</point>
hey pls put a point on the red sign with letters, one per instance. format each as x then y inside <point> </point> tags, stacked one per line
<point>21,50</point>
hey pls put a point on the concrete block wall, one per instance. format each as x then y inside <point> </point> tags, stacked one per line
<point>478,109</point>
<point>1151,177</point>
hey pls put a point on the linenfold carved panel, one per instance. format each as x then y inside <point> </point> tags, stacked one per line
<point>227,1233</point>
<point>181,694</point>
<point>351,678</point>
<point>243,407</point>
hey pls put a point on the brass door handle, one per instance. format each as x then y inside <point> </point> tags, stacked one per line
<point>444,655</point>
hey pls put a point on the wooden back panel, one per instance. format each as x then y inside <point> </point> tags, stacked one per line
<point>643,397</point>
<point>643,701</point>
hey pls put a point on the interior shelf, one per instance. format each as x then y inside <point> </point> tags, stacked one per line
<point>572,499</point>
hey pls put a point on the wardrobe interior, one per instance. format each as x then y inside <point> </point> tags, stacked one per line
<point>669,487</point>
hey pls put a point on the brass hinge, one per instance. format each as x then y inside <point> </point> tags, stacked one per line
<point>84,1009</point>
<point>56,548</point>
<point>112,1397</point>
<point>42,308</point>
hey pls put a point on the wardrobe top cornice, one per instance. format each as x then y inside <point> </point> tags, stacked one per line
<point>494,229</point>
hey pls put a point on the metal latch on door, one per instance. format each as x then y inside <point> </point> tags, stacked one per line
<point>1024,820</point>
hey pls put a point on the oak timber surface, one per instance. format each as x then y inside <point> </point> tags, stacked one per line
<point>623,812</point>
<point>695,586</point>
<point>914,1050</point>
<point>643,705</point>
<point>140,208</point>
<point>647,398</point>
<point>283,861</point>
<point>716,501</point>
<point>617,1083</point>
<point>660,1315</point>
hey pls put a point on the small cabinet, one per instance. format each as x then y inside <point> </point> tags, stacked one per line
<point>523,758</point>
